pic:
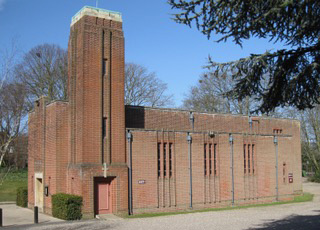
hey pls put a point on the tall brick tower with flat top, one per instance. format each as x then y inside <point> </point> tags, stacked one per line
<point>78,146</point>
<point>97,112</point>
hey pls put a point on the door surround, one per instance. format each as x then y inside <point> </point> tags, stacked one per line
<point>38,190</point>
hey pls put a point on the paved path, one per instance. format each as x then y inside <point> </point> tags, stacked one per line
<point>13,216</point>
<point>299,216</point>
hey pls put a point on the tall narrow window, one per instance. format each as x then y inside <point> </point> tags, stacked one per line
<point>249,158</point>
<point>164,159</point>
<point>210,159</point>
<point>159,168</point>
<point>253,159</point>
<point>215,159</point>
<point>170,160</point>
<point>244,159</point>
<point>205,159</point>
<point>104,127</point>
<point>105,67</point>
<point>284,172</point>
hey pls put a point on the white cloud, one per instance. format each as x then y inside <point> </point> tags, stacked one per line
<point>2,4</point>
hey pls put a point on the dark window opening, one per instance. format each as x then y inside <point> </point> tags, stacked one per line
<point>170,160</point>
<point>164,160</point>
<point>210,160</point>
<point>277,131</point>
<point>244,159</point>
<point>253,159</point>
<point>249,158</point>
<point>205,159</point>
<point>104,127</point>
<point>105,67</point>
<point>284,172</point>
<point>215,158</point>
<point>159,168</point>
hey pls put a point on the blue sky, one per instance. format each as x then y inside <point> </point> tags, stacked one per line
<point>175,52</point>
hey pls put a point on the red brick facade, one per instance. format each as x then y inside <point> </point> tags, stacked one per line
<point>76,144</point>
<point>165,131</point>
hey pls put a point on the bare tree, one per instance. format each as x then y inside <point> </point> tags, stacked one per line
<point>209,95</point>
<point>44,71</point>
<point>12,111</point>
<point>144,88</point>
<point>8,58</point>
<point>310,137</point>
<point>310,127</point>
<point>11,100</point>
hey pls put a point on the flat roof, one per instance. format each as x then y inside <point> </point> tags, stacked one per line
<point>265,117</point>
<point>96,12</point>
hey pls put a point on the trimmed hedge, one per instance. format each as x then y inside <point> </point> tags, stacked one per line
<point>22,197</point>
<point>66,206</point>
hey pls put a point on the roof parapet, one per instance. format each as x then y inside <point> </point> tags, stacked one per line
<point>96,12</point>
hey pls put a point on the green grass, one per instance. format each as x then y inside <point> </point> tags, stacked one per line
<point>14,180</point>
<point>303,198</point>
<point>297,199</point>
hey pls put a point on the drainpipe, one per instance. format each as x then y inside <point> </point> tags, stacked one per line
<point>191,118</point>
<point>189,139</point>
<point>232,169</point>
<point>104,126</point>
<point>129,137</point>
<point>275,141</point>
<point>44,109</point>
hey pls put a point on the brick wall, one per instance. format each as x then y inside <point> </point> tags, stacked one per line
<point>151,127</point>
<point>48,148</point>
<point>36,146</point>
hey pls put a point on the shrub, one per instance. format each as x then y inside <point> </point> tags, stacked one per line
<point>304,173</point>
<point>315,177</point>
<point>22,197</point>
<point>66,206</point>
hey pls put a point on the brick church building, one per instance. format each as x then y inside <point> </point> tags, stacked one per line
<point>130,159</point>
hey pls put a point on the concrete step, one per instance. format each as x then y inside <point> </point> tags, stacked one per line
<point>110,217</point>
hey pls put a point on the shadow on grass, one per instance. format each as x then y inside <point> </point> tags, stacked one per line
<point>293,222</point>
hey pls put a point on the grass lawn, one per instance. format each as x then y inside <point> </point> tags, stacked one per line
<point>12,181</point>
<point>297,199</point>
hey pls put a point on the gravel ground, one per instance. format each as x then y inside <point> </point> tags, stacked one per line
<point>299,216</point>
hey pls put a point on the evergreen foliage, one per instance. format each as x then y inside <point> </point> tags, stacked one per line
<point>315,177</point>
<point>292,74</point>
<point>66,206</point>
<point>22,197</point>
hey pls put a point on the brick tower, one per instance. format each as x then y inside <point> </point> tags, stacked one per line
<point>97,158</point>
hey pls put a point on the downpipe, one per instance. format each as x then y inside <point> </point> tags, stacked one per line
<point>232,166</point>
<point>189,139</point>
<point>129,138</point>
<point>275,141</point>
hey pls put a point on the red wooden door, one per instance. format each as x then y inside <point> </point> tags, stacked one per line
<point>104,198</point>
